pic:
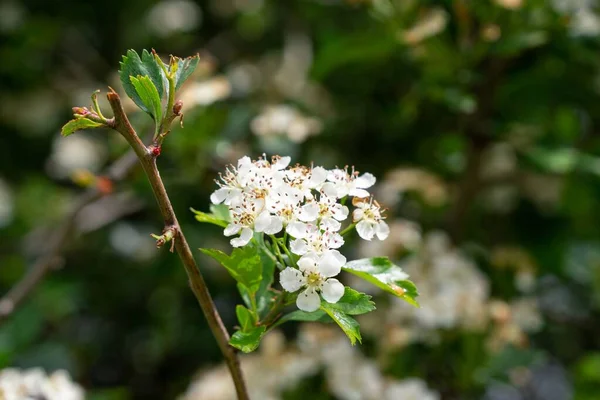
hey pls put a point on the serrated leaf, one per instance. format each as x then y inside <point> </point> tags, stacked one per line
<point>245,318</point>
<point>244,265</point>
<point>78,124</point>
<point>149,95</point>
<point>133,65</point>
<point>353,302</point>
<point>381,272</point>
<point>247,341</point>
<point>209,218</point>
<point>185,67</point>
<point>348,324</point>
<point>299,315</point>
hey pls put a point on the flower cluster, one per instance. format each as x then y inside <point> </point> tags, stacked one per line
<point>306,204</point>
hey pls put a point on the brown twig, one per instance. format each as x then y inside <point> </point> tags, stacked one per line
<point>148,160</point>
<point>59,239</point>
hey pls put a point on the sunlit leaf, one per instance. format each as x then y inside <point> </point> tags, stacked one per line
<point>381,272</point>
<point>78,124</point>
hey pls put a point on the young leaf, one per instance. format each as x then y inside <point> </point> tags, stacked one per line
<point>245,318</point>
<point>133,65</point>
<point>346,322</point>
<point>185,67</point>
<point>247,341</point>
<point>381,272</point>
<point>244,265</point>
<point>211,218</point>
<point>353,303</point>
<point>149,96</point>
<point>78,124</point>
<point>220,211</point>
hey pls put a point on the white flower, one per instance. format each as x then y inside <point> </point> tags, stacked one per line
<point>341,183</point>
<point>249,216</point>
<point>310,239</point>
<point>369,221</point>
<point>232,183</point>
<point>306,179</point>
<point>316,276</point>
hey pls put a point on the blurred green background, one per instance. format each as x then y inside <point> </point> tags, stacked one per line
<point>480,118</point>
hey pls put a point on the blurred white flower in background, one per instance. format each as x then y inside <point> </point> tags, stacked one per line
<point>278,367</point>
<point>173,16</point>
<point>11,16</point>
<point>410,389</point>
<point>73,153</point>
<point>583,16</point>
<point>132,241</point>
<point>432,23</point>
<point>206,92</point>
<point>285,120</point>
<point>6,204</point>
<point>35,384</point>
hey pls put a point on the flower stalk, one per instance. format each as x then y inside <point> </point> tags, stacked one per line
<point>122,125</point>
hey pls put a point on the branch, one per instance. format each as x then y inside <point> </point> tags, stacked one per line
<point>52,256</point>
<point>148,160</point>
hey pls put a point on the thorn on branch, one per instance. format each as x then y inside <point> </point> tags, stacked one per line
<point>168,235</point>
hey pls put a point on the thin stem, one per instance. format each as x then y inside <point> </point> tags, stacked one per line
<point>277,250</point>
<point>196,280</point>
<point>288,253</point>
<point>348,229</point>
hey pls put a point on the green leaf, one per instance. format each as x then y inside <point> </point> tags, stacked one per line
<point>247,341</point>
<point>265,301</point>
<point>78,124</point>
<point>220,211</point>
<point>299,315</point>
<point>245,318</point>
<point>346,322</point>
<point>353,303</point>
<point>133,65</point>
<point>381,272</point>
<point>149,95</point>
<point>245,293</point>
<point>209,218</point>
<point>244,265</point>
<point>185,67</point>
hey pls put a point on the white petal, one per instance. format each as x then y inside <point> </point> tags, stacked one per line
<point>332,290</point>
<point>282,163</point>
<point>330,224</point>
<point>307,263</point>
<point>358,214</point>
<point>365,230</point>
<point>318,176</point>
<point>360,193</point>
<point>275,226</point>
<point>244,162</point>
<point>330,189</point>
<point>364,181</point>
<point>291,279</point>
<point>244,238</point>
<point>309,212</point>
<point>331,263</point>
<point>297,229</point>
<point>298,246</point>
<point>232,229</point>
<point>339,212</point>
<point>382,230</point>
<point>262,221</point>
<point>308,300</point>
<point>219,195</point>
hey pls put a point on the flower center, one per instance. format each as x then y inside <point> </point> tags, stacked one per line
<point>313,279</point>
